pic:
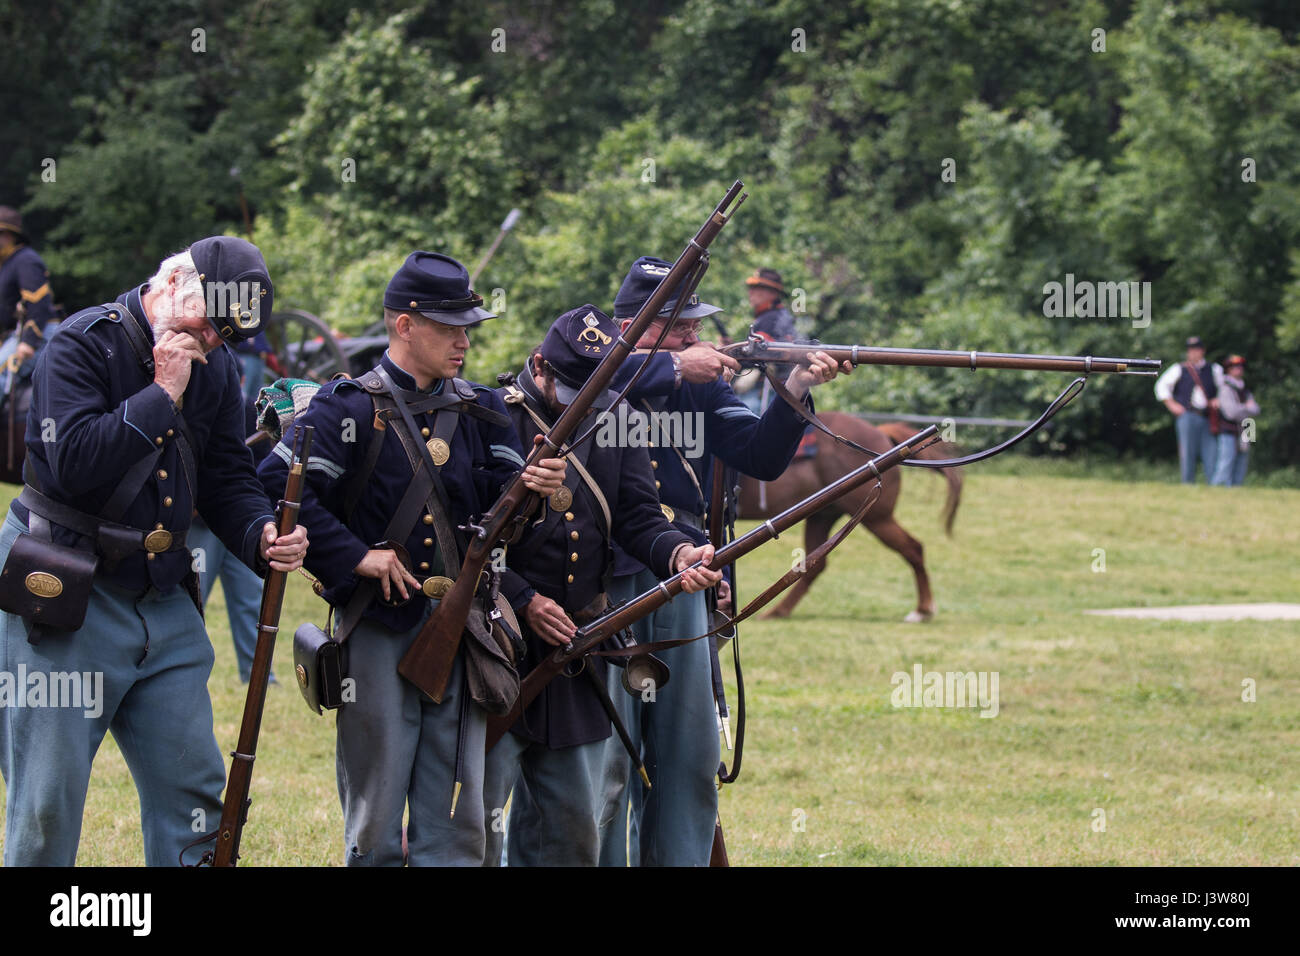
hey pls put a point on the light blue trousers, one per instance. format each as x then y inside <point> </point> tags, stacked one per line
<point>396,750</point>
<point>1231,462</point>
<point>556,799</point>
<point>678,732</point>
<point>242,589</point>
<point>142,669</point>
<point>1195,443</point>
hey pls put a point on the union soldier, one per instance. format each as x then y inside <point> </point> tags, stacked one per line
<point>383,563</point>
<point>26,302</point>
<point>136,420</point>
<point>556,751</point>
<point>678,727</point>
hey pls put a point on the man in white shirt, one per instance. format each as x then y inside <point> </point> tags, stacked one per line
<point>1190,391</point>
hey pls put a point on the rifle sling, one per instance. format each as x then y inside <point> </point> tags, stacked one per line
<point>1068,394</point>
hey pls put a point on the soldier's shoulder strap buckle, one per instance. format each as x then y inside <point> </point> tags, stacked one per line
<point>464,390</point>
<point>371,382</point>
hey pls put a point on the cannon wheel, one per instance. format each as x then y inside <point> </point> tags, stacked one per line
<point>303,347</point>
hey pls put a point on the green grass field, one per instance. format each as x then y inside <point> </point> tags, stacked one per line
<point>1139,725</point>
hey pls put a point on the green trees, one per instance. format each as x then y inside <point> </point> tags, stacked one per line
<point>920,169</point>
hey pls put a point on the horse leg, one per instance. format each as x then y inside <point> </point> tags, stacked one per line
<point>892,534</point>
<point>816,530</point>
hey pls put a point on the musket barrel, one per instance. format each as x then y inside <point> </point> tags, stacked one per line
<point>757,350</point>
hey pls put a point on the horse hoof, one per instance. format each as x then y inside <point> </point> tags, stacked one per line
<point>918,617</point>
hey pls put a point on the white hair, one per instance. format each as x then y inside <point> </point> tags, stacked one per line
<point>187,274</point>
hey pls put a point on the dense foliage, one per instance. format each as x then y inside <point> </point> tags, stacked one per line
<point>919,168</point>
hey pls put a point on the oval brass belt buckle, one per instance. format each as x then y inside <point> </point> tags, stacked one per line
<point>436,586</point>
<point>158,541</point>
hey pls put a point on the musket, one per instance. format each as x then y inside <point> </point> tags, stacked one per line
<point>590,635</point>
<point>428,662</point>
<point>757,351</point>
<point>234,807</point>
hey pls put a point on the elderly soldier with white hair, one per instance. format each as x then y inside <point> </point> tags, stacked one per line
<point>137,420</point>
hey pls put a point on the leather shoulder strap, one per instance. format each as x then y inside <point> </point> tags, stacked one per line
<point>572,459</point>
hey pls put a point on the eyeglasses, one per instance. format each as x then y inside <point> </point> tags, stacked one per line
<point>686,327</point>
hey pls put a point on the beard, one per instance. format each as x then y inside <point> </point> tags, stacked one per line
<point>168,314</point>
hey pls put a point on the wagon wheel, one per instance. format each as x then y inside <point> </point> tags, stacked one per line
<point>303,347</point>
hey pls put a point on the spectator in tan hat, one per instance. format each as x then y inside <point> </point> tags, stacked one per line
<point>1236,404</point>
<point>774,322</point>
<point>26,303</point>
<point>772,319</point>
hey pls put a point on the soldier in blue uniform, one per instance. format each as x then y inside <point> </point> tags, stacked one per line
<point>396,748</point>
<point>27,313</point>
<point>678,727</point>
<point>556,750</point>
<point>136,420</point>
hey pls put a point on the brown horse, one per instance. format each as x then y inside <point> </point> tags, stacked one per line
<point>805,476</point>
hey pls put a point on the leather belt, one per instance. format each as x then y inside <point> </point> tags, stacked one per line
<point>113,541</point>
<point>685,517</point>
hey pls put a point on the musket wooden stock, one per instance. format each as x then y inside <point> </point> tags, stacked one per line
<point>234,808</point>
<point>427,663</point>
<point>599,630</point>
<point>756,350</point>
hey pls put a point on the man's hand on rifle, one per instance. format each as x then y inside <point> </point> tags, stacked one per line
<point>821,368</point>
<point>695,579</point>
<point>283,552</point>
<point>386,565</point>
<point>546,476</point>
<point>548,621</point>
<point>702,363</point>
